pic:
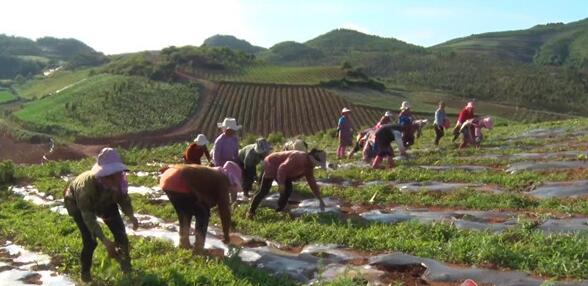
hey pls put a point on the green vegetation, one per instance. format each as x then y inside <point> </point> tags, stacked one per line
<point>275,75</point>
<point>163,65</point>
<point>25,57</point>
<point>156,262</point>
<point>231,42</point>
<point>551,44</point>
<point>56,82</point>
<point>107,105</point>
<point>6,96</point>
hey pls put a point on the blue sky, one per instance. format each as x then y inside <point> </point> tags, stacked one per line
<point>115,26</point>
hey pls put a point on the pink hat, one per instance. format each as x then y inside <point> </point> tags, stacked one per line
<point>470,105</point>
<point>108,163</point>
<point>487,122</point>
<point>233,172</point>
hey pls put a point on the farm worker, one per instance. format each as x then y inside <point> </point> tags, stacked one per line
<point>441,122</point>
<point>406,120</point>
<point>360,142</point>
<point>99,192</point>
<point>193,190</point>
<point>250,156</point>
<point>196,150</point>
<point>286,167</point>
<point>296,144</point>
<point>226,145</point>
<point>466,113</point>
<point>386,119</point>
<point>472,131</point>
<point>383,138</point>
<point>345,132</point>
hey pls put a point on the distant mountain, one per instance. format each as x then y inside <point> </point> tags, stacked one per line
<point>335,47</point>
<point>22,56</point>
<point>553,44</point>
<point>232,42</point>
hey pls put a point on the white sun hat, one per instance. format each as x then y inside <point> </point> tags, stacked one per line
<point>345,110</point>
<point>388,114</point>
<point>201,140</point>
<point>229,123</point>
<point>405,105</point>
<point>108,162</point>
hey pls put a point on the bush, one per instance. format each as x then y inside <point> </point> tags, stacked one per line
<point>6,172</point>
<point>276,138</point>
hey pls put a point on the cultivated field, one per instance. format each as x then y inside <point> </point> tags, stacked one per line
<point>292,110</point>
<point>511,213</point>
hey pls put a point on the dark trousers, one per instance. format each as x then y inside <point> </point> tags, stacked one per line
<point>116,225</point>
<point>187,206</point>
<point>439,132</point>
<point>249,176</point>
<point>266,185</point>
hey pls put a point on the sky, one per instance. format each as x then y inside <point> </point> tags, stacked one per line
<point>120,26</point>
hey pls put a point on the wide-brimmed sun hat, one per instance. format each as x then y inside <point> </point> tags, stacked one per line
<point>488,122</point>
<point>229,123</point>
<point>108,163</point>
<point>388,114</point>
<point>405,105</point>
<point>345,110</point>
<point>201,140</point>
<point>262,146</point>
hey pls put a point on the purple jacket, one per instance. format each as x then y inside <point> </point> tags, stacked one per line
<point>226,148</point>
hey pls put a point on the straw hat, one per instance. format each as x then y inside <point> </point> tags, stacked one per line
<point>201,140</point>
<point>345,110</point>
<point>108,162</point>
<point>262,146</point>
<point>229,123</point>
<point>405,105</point>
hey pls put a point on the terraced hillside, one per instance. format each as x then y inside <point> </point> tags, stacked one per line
<point>292,110</point>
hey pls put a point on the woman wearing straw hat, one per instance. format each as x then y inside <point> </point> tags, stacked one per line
<point>386,119</point>
<point>226,145</point>
<point>99,192</point>
<point>406,120</point>
<point>250,156</point>
<point>345,131</point>
<point>193,190</point>
<point>195,151</point>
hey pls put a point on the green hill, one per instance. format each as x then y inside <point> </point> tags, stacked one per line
<point>555,44</point>
<point>232,42</point>
<point>292,53</point>
<point>25,57</point>
<point>108,105</point>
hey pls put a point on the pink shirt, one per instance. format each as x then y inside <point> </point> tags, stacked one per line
<point>293,165</point>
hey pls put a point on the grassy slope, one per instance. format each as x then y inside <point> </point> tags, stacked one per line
<point>6,96</point>
<point>547,44</point>
<point>276,75</point>
<point>106,105</point>
<point>38,88</point>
